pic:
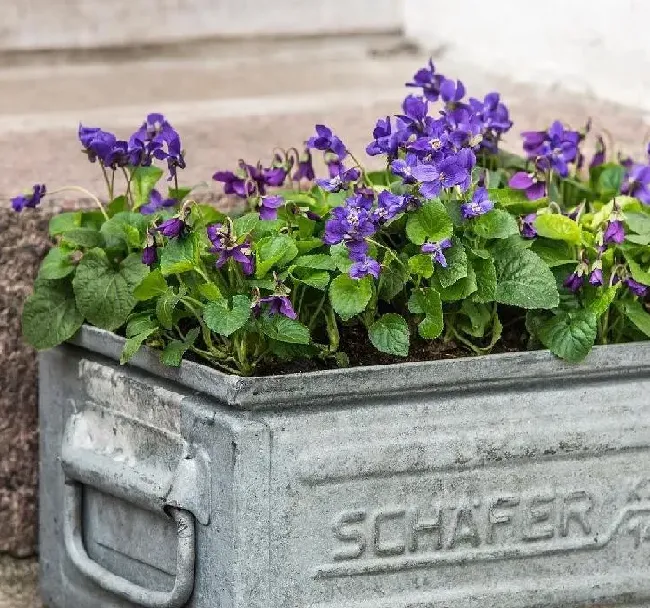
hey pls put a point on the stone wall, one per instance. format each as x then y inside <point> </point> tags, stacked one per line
<point>24,243</point>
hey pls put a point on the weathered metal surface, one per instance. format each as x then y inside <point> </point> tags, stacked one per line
<point>505,481</point>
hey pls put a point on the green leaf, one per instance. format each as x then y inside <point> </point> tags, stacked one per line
<point>524,280</point>
<point>211,292</point>
<point>117,205</point>
<point>226,320</point>
<point>204,215</point>
<point>318,261</point>
<point>56,264</point>
<point>496,224</point>
<point>341,257</point>
<point>610,178</point>
<point>274,251</point>
<point>569,335</point>
<point>245,224</point>
<point>390,334</point>
<point>133,344</point>
<point>421,265</point>
<point>558,228</point>
<point>515,201</point>
<point>512,243</point>
<point>391,281</point>
<point>603,300</point>
<point>456,265</point>
<point>139,323</point>
<point>638,239</point>
<point>125,229</point>
<point>179,255</point>
<point>638,274</point>
<point>638,316</point>
<point>379,178</point>
<point>283,329</point>
<point>103,292</point>
<point>86,238</point>
<point>152,286</point>
<point>430,222</point>
<point>165,306</point>
<point>173,352</point>
<point>461,289</point>
<point>50,315</point>
<point>554,253</point>
<point>319,279</point>
<point>179,194</point>
<point>486,280</point>
<point>143,181</point>
<point>427,302</point>
<point>478,316</point>
<point>349,296</point>
<point>62,222</point>
<point>636,222</point>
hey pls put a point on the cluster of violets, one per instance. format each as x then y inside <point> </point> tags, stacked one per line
<point>155,139</point>
<point>551,151</point>
<point>432,156</point>
<point>429,155</point>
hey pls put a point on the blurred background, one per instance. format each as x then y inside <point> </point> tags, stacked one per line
<point>239,77</point>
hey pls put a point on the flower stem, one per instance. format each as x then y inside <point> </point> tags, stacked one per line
<point>109,187</point>
<point>84,191</point>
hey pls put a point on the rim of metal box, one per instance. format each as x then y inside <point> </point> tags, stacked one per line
<point>488,373</point>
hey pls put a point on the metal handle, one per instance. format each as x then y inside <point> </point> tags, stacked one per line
<point>183,584</point>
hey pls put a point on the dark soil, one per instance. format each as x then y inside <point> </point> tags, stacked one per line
<point>360,352</point>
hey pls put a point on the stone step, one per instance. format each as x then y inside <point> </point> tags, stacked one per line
<point>229,106</point>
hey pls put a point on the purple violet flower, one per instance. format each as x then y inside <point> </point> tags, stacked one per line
<point>638,289</point>
<point>385,140</point>
<point>156,202</point>
<point>596,277</point>
<point>534,186</point>
<point>528,226</point>
<point>495,119</point>
<point>427,80</point>
<point>637,183</point>
<point>269,206</point>
<point>452,92</point>
<point>353,222</point>
<point>357,249</point>
<point>31,200</point>
<point>340,178</point>
<point>326,141</point>
<point>388,206</point>
<point>172,228</point>
<point>600,155</point>
<point>276,305</point>
<point>149,255</point>
<point>436,251</point>
<point>403,167</point>
<point>434,178</point>
<point>558,146</point>
<point>614,232</point>
<point>305,168</point>
<point>574,281</point>
<point>479,205</point>
<point>364,267</point>
<point>225,246</point>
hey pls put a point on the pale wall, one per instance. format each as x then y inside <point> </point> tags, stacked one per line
<point>63,24</point>
<point>599,47</point>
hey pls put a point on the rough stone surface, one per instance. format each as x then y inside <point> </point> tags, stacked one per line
<point>384,487</point>
<point>19,583</point>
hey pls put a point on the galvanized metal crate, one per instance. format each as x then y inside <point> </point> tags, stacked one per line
<point>503,481</point>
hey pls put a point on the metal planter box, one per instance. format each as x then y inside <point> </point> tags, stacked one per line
<point>508,480</point>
